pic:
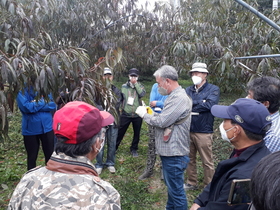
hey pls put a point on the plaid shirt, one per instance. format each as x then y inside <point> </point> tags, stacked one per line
<point>272,137</point>
<point>177,106</point>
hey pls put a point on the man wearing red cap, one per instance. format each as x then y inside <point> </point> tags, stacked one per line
<point>70,180</point>
<point>245,124</point>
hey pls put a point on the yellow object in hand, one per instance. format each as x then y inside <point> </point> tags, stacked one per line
<point>149,110</point>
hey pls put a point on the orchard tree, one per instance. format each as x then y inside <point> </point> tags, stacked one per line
<point>216,32</point>
<point>63,45</point>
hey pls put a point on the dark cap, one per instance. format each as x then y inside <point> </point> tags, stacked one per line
<point>79,121</point>
<point>133,72</point>
<point>250,114</point>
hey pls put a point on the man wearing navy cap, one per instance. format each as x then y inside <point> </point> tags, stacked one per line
<point>245,124</point>
<point>132,92</point>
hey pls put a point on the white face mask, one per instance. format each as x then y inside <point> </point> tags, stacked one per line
<point>162,91</point>
<point>224,132</point>
<point>130,78</point>
<point>196,80</point>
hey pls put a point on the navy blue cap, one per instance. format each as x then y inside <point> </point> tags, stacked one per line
<point>133,72</point>
<point>250,114</point>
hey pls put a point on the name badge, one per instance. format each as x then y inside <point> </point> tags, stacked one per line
<point>130,100</point>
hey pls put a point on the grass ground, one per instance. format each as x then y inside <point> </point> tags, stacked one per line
<point>135,194</point>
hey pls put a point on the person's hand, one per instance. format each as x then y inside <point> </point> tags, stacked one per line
<point>153,103</point>
<point>195,206</point>
<point>141,111</point>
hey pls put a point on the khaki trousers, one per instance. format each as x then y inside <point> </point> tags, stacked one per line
<point>201,142</point>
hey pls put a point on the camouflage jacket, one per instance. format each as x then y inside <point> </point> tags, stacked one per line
<point>41,188</point>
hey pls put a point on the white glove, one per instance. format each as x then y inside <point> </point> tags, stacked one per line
<point>141,111</point>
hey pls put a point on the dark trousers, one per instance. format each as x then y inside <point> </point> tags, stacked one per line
<point>32,145</point>
<point>136,124</point>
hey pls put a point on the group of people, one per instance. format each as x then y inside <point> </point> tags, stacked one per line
<point>250,124</point>
<point>127,100</point>
<point>180,124</point>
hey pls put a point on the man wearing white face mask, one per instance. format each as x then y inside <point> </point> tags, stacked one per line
<point>204,96</point>
<point>245,124</point>
<point>172,127</point>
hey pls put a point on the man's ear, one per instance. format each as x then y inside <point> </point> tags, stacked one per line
<point>96,145</point>
<point>167,80</point>
<point>238,129</point>
<point>94,150</point>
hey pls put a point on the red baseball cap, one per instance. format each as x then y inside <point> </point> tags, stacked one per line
<point>79,121</point>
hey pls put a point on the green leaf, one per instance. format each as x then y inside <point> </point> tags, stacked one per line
<point>3,3</point>
<point>42,78</point>
<point>11,8</point>
<point>7,43</point>
<point>4,186</point>
<point>3,116</point>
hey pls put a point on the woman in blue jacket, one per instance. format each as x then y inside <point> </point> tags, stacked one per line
<point>36,125</point>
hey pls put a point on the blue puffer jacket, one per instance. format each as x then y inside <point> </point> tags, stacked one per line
<point>203,99</point>
<point>36,116</point>
<point>155,96</point>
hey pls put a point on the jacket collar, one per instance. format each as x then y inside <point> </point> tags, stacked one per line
<point>244,156</point>
<point>228,164</point>
<point>199,89</point>
<point>65,164</point>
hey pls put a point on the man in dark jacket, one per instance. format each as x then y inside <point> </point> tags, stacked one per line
<point>204,96</point>
<point>245,124</point>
